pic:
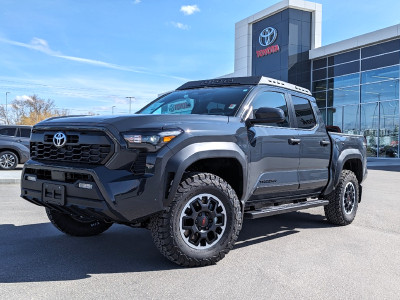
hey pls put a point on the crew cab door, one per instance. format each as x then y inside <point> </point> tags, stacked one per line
<point>315,147</point>
<point>23,136</point>
<point>274,154</point>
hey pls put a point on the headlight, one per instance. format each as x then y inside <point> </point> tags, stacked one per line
<point>152,141</point>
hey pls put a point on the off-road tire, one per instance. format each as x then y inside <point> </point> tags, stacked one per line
<point>166,231</point>
<point>8,160</point>
<point>335,211</point>
<point>71,226</point>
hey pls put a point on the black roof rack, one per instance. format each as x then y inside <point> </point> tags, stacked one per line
<point>250,80</point>
<point>253,80</point>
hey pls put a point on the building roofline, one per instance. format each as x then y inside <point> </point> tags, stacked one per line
<point>243,31</point>
<point>388,33</point>
<point>273,9</point>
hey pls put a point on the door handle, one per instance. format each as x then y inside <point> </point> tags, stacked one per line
<point>294,141</point>
<point>324,143</point>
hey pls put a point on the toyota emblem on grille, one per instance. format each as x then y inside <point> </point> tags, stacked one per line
<point>59,139</point>
<point>268,36</point>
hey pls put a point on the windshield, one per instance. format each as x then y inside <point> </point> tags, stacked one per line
<point>223,101</point>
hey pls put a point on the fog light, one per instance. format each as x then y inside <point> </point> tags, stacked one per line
<point>85,185</point>
<point>30,177</point>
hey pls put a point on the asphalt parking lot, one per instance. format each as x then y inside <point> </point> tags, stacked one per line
<point>293,256</point>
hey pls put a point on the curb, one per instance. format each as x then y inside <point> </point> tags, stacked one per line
<point>10,181</point>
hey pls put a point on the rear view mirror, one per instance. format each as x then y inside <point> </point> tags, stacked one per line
<point>268,115</point>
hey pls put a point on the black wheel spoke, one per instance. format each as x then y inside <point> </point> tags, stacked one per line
<point>202,221</point>
<point>187,223</point>
<point>220,219</point>
<point>349,198</point>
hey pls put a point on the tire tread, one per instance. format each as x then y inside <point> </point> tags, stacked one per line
<point>68,225</point>
<point>333,211</point>
<point>161,225</point>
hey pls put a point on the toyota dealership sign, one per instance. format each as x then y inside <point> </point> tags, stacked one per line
<point>266,38</point>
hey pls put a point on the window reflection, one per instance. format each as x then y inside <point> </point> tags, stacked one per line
<point>344,57</point>
<point>334,116</point>
<point>319,85</point>
<point>343,81</point>
<point>343,69</point>
<point>320,97</point>
<point>351,119</point>
<point>380,61</point>
<point>389,133</point>
<point>389,73</point>
<point>361,94</point>
<point>319,74</point>
<point>386,90</point>
<point>369,126</point>
<point>380,48</point>
<point>348,95</point>
<point>319,63</point>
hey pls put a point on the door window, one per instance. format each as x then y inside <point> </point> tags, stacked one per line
<point>304,113</point>
<point>274,100</point>
<point>24,132</point>
<point>10,131</point>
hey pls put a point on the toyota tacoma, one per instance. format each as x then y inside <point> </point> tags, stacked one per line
<point>192,164</point>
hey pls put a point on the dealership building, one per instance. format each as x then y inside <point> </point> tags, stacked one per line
<point>355,81</point>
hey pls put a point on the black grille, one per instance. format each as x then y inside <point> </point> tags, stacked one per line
<point>92,154</point>
<point>139,166</point>
<point>73,177</point>
<point>69,177</point>
<point>40,173</point>
<point>81,147</point>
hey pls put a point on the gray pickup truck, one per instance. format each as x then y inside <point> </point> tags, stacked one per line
<point>192,164</point>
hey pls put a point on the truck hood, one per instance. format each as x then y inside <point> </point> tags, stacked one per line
<point>132,122</point>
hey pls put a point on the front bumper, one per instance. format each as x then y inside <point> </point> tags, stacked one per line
<point>114,196</point>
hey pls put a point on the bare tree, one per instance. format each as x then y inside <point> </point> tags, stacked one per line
<point>30,110</point>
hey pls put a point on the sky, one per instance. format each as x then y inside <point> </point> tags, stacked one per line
<point>88,56</point>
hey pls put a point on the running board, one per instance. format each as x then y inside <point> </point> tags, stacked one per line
<point>284,208</point>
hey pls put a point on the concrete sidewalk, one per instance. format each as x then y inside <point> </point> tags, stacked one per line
<point>12,176</point>
<point>384,164</point>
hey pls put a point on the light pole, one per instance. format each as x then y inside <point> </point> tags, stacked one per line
<point>130,102</point>
<point>7,108</point>
<point>112,109</point>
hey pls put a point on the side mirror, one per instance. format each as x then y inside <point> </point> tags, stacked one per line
<point>268,115</point>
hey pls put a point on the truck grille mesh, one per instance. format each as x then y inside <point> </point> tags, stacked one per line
<point>72,151</point>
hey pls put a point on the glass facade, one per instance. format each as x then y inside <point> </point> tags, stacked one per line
<point>358,91</point>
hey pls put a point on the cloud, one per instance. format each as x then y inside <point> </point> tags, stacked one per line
<point>180,25</point>
<point>189,9</point>
<point>137,1</point>
<point>41,45</point>
<point>23,97</point>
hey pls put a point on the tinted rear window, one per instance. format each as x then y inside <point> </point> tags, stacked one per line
<point>10,131</point>
<point>24,132</point>
<point>304,113</point>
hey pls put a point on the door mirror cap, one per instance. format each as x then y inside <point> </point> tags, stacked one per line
<point>268,115</point>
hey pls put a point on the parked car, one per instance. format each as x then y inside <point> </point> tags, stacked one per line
<point>14,145</point>
<point>192,164</point>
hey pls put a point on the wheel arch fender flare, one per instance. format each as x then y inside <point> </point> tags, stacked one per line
<point>342,159</point>
<point>13,149</point>
<point>181,160</point>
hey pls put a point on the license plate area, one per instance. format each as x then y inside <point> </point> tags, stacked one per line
<point>53,193</point>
